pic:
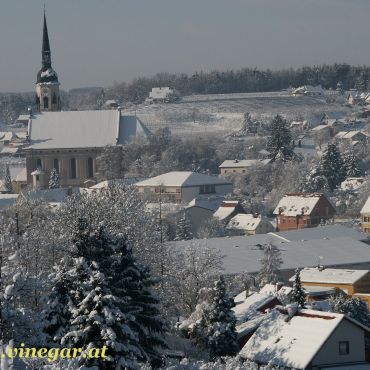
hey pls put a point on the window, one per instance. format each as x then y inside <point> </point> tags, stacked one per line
<point>207,189</point>
<point>73,169</point>
<point>344,347</point>
<point>90,167</point>
<point>38,163</point>
<point>56,164</point>
<point>366,218</point>
<point>55,99</point>
<point>46,102</point>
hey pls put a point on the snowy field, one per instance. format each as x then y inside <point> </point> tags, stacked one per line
<point>223,113</point>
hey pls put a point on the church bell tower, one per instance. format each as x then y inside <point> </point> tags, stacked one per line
<point>47,84</point>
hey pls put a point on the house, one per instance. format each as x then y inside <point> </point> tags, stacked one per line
<point>70,142</point>
<point>301,210</point>
<point>347,280</point>
<point>161,94</point>
<point>308,90</point>
<point>299,126</point>
<point>182,186</point>
<point>365,216</point>
<point>352,137</point>
<point>307,340</point>
<point>352,184</point>
<point>248,224</point>
<point>227,210</point>
<point>242,166</point>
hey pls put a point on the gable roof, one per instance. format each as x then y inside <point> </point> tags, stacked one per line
<point>331,276</point>
<point>243,163</point>
<point>292,343</point>
<point>294,204</point>
<point>244,222</point>
<point>366,207</point>
<point>183,179</point>
<point>227,208</point>
<point>82,129</point>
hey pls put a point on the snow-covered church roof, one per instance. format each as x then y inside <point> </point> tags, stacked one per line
<point>82,129</point>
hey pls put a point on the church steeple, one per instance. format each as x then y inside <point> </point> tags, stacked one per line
<point>47,85</point>
<point>46,55</point>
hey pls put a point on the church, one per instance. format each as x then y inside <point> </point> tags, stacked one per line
<point>69,141</point>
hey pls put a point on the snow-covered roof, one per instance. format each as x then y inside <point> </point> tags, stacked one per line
<point>243,163</point>
<point>320,127</point>
<point>226,208</point>
<point>244,253</point>
<point>352,183</point>
<point>7,136</point>
<point>308,89</point>
<point>183,179</point>
<point>244,222</point>
<point>51,195</point>
<point>210,202</point>
<point>7,200</point>
<point>295,203</point>
<point>246,307</point>
<point>318,290</point>
<point>348,134</point>
<point>18,173</point>
<point>82,129</point>
<point>331,276</point>
<point>9,150</point>
<point>321,232</point>
<point>273,289</point>
<point>292,343</point>
<point>366,207</point>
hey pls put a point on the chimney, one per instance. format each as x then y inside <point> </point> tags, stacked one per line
<point>302,211</point>
<point>236,161</point>
<point>281,210</point>
<point>278,286</point>
<point>255,215</point>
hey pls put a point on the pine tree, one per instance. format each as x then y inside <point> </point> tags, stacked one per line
<point>184,228</point>
<point>216,331</point>
<point>351,164</point>
<point>353,307</point>
<point>57,312</point>
<point>315,180</point>
<point>298,294</point>
<point>97,319</point>
<point>134,280</point>
<point>8,181</point>
<point>54,180</point>
<point>332,166</point>
<point>280,139</point>
<point>270,264</point>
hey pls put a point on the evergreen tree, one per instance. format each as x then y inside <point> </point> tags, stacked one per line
<point>184,228</point>
<point>57,312</point>
<point>134,280</point>
<point>54,180</point>
<point>332,166</point>
<point>216,330</point>
<point>270,265</point>
<point>351,164</point>
<point>353,307</point>
<point>8,181</point>
<point>279,142</point>
<point>299,296</point>
<point>315,180</point>
<point>97,319</point>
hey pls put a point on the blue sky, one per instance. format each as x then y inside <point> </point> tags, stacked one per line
<point>97,42</point>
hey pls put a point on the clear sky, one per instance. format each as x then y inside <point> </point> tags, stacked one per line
<point>97,42</point>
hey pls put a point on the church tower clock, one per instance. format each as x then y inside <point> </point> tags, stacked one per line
<point>47,84</point>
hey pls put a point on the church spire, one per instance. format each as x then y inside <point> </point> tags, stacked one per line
<point>46,55</point>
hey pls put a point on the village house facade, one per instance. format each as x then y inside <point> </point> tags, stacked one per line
<point>242,166</point>
<point>302,210</point>
<point>365,216</point>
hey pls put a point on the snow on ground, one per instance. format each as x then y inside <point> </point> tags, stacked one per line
<point>223,113</point>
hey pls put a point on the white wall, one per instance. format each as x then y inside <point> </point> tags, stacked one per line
<point>346,331</point>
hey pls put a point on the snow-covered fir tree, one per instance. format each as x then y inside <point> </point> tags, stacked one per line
<point>184,228</point>
<point>54,180</point>
<point>298,294</point>
<point>216,330</point>
<point>270,265</point>
<point>135,281</point>
<point>332,166</point>
<point>315,180</point>
<point>351,164</point>
<point>279,143</point>
<point>353,307</point>
<point>8,181</point>
<point>56,315</point>
<point>97,319</point>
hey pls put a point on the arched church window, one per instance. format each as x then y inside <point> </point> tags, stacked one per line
<point>56,164</point>
<point>46,102</point>
<point>73,168</point>
<point>90,167</point>
<point>38,163</point>
<point>55,100</point>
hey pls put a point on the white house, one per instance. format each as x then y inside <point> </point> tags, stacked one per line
<point>307,339</point>
<point>248,224</point>
<point>308,90</point>
<point>182,186</point>
<point>161,94</point>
